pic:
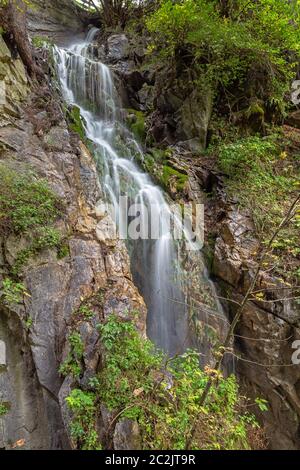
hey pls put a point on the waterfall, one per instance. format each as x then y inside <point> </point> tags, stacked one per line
<point>156,266</point>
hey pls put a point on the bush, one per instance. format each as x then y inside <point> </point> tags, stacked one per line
<point>28,207</point>
<point>162,395</point>
<point>26,203</point>
<point>263,176</point>
<point>252,46</point>
<point>83,429</point>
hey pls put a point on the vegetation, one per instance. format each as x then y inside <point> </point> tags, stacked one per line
<point>26,203</point>
<point>3,409</point>
<point>246,51</point>
<point>13,22</point>
<point>272,182</point>
<point>72,364</point>
<point>161,394</point>
<point>13,292</point>
<point>137,125</point>
<point>75,122</point>
<point>115,12</point>
<point>28,208</point>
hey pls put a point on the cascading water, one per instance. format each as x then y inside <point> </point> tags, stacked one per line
<point>157,271</point>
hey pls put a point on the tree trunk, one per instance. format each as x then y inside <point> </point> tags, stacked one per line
<point>14,15</point>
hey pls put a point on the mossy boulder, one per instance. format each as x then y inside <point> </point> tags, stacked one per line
<point>75,122</point>
<point>136,123</point>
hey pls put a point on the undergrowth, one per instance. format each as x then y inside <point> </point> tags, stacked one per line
<point>263,175</point>
<point>161,395</point>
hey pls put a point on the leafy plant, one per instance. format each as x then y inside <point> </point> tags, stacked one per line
<point>28,207</point>
<point>13,292</point>
<point>271,176</point>
<point>162,395</point>
<point>232,44</point>
<point>83,428</point>
<point>3,409</point>
<point>72,364</point>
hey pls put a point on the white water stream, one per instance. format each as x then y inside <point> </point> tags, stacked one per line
<point>157,271</point>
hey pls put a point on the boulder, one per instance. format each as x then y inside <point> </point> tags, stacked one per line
<point>127,435</point>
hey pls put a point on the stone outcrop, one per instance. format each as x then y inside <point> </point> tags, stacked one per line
<point>57,20</point>
<point>37,136</point>
<point>13,83</point>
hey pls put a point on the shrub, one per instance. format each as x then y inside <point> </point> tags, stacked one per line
<point>26,202</point>
<point>28,207</point>
<point>72,364</point>
<point>162,395</point>
<point>262,175</point>
<point>253,45</point>
<point>83,429</point>
<point>13,292</point>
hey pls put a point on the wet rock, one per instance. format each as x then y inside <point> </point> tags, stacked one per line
<point>194,117</point>
<point>57,20</point>
<point>117,47</point>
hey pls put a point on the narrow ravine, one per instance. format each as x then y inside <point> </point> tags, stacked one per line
<point>156,265</point>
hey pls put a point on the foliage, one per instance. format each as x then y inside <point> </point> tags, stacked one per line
<point>162,394</point>
<point>28,207</point>
<point>137,126</point>
<point>72,364</point>
<point>252,46</point>
<point>75,122</point>
<point>113,12</point>
<point>170,174</point>
<point>26,203</point>
<point>270,170</point>
<point>83,429</point>
<point>86,312</point>
<point>13,292</point>
<point>3,409</point>
<point>41,41</point>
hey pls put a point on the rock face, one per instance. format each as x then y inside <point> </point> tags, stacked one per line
<point>37,136</point>
<point>13,82</point>
<point>180,114</point>
<point>266,332</point>
<point>56,19</point>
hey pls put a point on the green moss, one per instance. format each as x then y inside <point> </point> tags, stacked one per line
<point>28,208</point>
<point>41,41</point>
<point>137,125</point>
<point>168,173</point>
<point>63,251</point>
<point>75,122</point>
